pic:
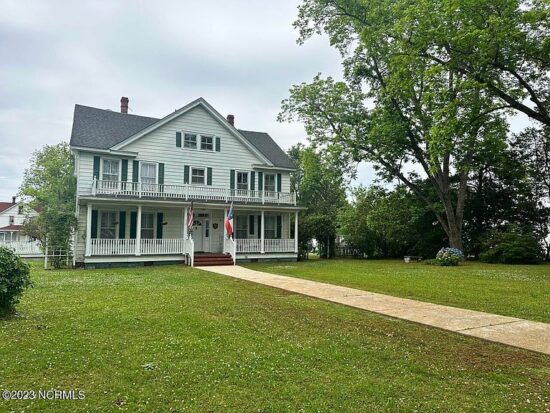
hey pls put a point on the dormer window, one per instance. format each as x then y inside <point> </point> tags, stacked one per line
<point>207,143</point>
<point>190,141</point>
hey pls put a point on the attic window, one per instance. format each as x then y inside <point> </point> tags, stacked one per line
<point>207,143</point>
<point>190,141</point>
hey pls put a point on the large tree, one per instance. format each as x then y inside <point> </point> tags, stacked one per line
<point>49,185</point>
<point>321,190</point>
<point>408,104</point>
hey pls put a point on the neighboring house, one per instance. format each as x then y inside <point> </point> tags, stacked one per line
<point>137,178</point>
<point>12,217</point>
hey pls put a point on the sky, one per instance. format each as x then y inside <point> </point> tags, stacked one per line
<point>241,56</point>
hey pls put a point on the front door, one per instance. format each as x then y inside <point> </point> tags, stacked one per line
<point>198,235</point>
<point>201,234</point>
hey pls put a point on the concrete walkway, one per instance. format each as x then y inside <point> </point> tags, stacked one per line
<point>530,335</point>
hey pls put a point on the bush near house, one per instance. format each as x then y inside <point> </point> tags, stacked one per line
<point>14,279</point>
<point>512,247</point>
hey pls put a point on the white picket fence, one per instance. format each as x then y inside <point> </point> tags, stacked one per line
<point>24,248</point>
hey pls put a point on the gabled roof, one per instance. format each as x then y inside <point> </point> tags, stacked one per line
<point>105,129</point>
<point>102,129</point>
<point>266,145</point>
<point>13,227</point>
<point>6,205</point>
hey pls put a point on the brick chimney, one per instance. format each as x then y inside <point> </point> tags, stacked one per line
<point>13,198</point>
<point>124,104</point>
<point>231,119</point>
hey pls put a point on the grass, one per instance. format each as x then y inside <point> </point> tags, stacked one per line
<point>174,338</point>
<point>514,290</point>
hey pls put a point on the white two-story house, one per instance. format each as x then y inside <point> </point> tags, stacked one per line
<point>137,178</point>
<point>12,216</point>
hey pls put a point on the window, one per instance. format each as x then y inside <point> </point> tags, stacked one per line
<point>12,220</point>
<point>107,227</point>
<point>20,209</point>
<point>269,182</point>
<point>197,176</point>
<point>207,143</point>
<point>242,180</point>
<point>148,175</point>
<point>110,170</point>
<point>242,227</point>
<point>207,228</point>
<point>190,141</point>
<point>270,231</point>
<point>147,229</point>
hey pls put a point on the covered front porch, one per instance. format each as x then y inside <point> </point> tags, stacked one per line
<point>125,232</point>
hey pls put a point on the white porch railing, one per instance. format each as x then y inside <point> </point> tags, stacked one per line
<point>23,247</point>
<point>249,245</point>
<point>189,250</point>
<point>279,245</point>
<point>230,247</point>
<point>244,246</point>
<point>113,246</point>
<point>161,246</point>
<point>190,192</point>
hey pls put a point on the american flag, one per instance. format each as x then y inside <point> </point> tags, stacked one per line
<point>190,219</point>
<point>229,221</point>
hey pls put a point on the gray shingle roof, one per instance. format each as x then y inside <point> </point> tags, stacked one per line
<point>103,129</point>
<point>267,146</point>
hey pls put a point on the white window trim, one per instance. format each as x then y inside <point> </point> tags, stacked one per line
<point>274,180</point>
<point>237,180</point>
<point>104,158</point>
<point>156,170</point>
<point>100,213</point>
<point>183,133</point>
<point>191,175</point>
<point>154,223</point>
<point>213,143</point>
<point>199,139</point>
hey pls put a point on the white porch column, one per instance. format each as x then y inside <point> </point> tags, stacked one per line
<point>185,211</point>
<point>138,232</point>
<point>262,243</point>
<point>296,233</point>
<point>89,230</point>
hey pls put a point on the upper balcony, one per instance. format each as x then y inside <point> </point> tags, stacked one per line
<point>207,193</point>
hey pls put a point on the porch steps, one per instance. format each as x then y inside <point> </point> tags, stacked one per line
<point>203,260</point>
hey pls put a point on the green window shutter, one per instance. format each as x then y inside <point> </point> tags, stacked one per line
<point>252,180</point>
<point>124,172</point>
<point>232,179</point>
<point>260,181</point>
<point>251,224</point>
<point>97,160</point>
<point>122,225</point>
<point>279,182</point>
<point>161,176</point>
<point>279,226</point>
<point>94,224</point>
<point>186,174</point>
<point>208,176</point>
<point>160,220</point>
<point>133,224</point>
<point>218,144</point>
<point>178,139</point>
<point>135,171</point>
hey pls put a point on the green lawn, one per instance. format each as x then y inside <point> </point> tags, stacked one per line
<point>179,339</point>
<point>514,290</point>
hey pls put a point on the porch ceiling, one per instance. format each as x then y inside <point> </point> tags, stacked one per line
<point>181,204</point>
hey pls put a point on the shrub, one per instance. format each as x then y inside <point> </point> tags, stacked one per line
<point>447,257</point>
<point>14,279</point>
<point>511,247</point>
